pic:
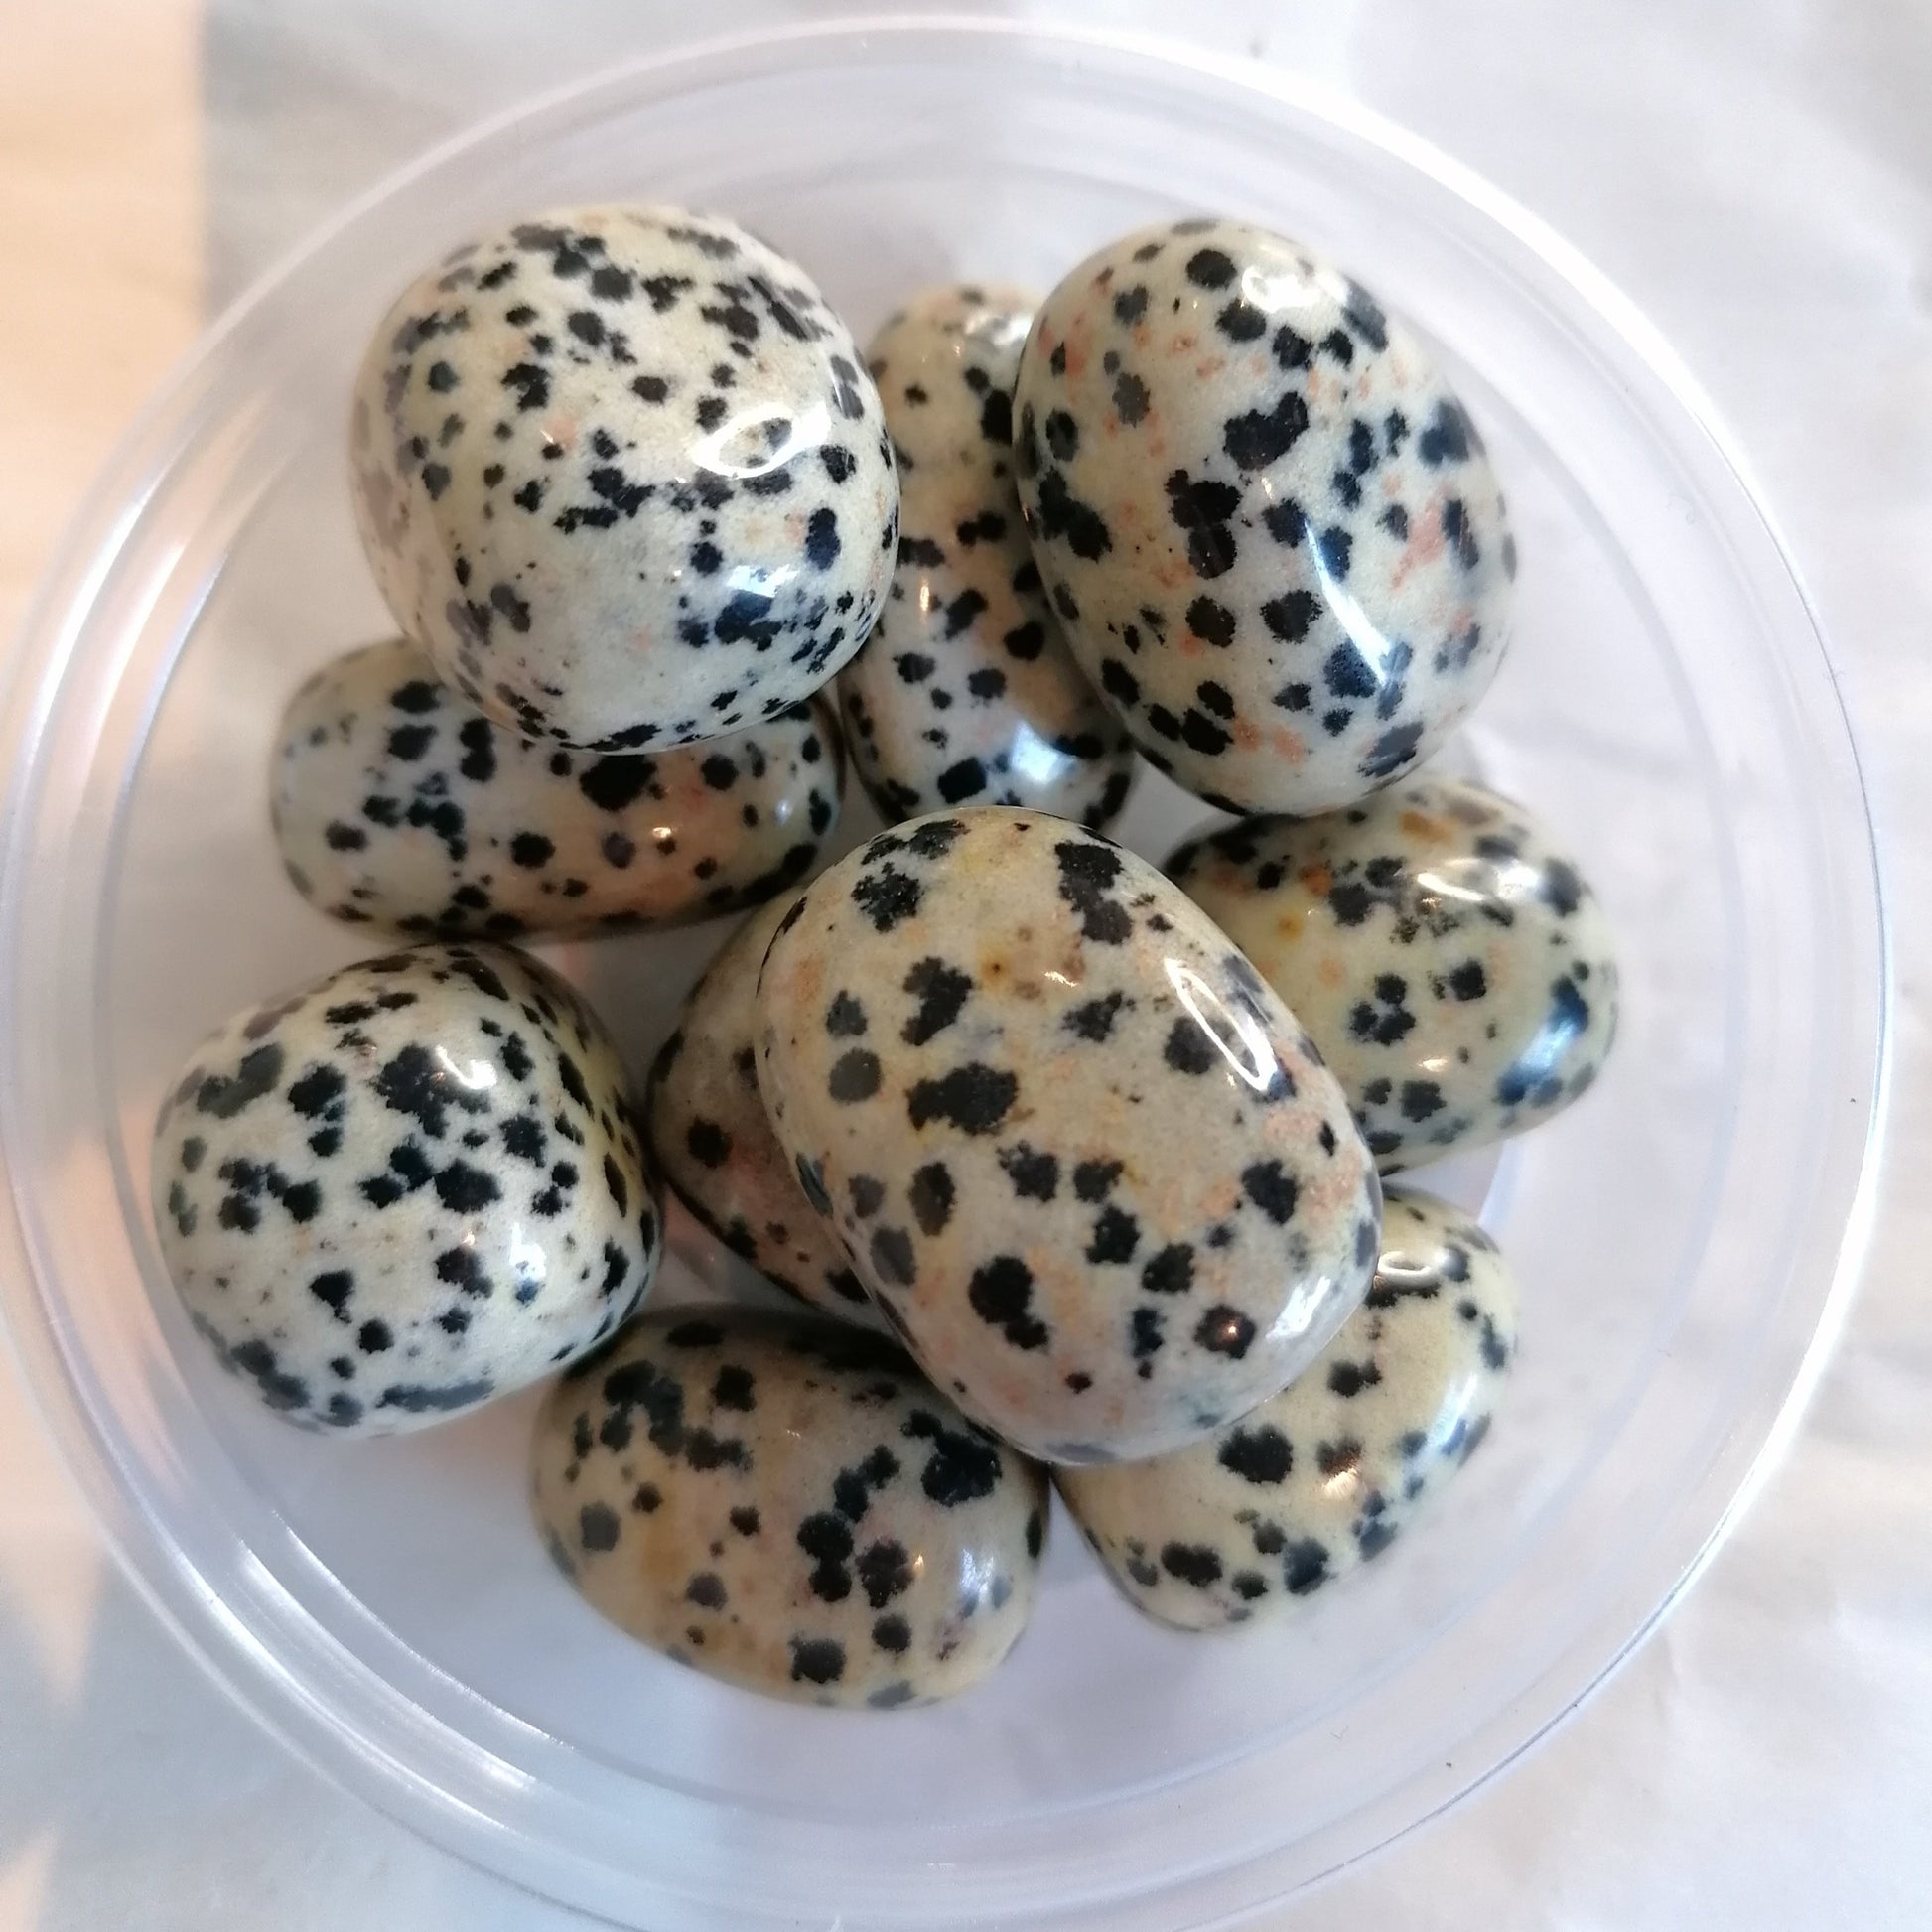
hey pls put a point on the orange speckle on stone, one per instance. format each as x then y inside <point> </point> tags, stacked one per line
<point>1424,829</point>
<point>1319,879</point>
<point>1425,543</point>
<point>1210,366</point>
<point>560,430</point>
<point>1287,743</point>
<point>1328,971</point>
<point>1245,733</point>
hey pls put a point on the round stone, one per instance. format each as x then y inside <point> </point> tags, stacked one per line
<point>967,693</point>
<point>783,1504</point>
<point>707,1128</point>
<point>1256,1520</point>
<point>621,472</point>
<point>1446,954</point>
<point>399,802</point>
<point>1268,525</point>
<point>406,1188</point>
<point>1082,1157</point>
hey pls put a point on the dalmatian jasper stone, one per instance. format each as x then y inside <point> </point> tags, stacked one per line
<point>966,692</point>
<point>1268,525</point>
<point>397,801</point>
<point>1082,1157</point>
<point>707,1128</point>
<point>1449,960</point>
<point>623,473</point>
<point>407,1189</point>
<point>1255,1520</point>
<point>783,1504</point>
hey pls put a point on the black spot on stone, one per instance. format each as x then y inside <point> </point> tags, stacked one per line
<point>1258,1454</point>
<point>975,1098</point>
<point>885,896</point>
<point>1224,1330</point>
<point>817,1659</point>
<point>854,1076</point>
<point>1035,1176</point>
<point>259,1074</point>
<point>464,1189</point>
<point>1094,1180</point>
<point>1087,872</point>
<point>891,1255</point>
<point>1273,1189</point>
<point>1420,1099</point>
<point>822,540</point>
<point>1290,615</point>
<point>961,1467</point>
<point>1189,1049</point>
<point>845,1018</point>
<point>1093,1019</point>
<point>1116,1235</point>
<point>884,1572</point>
<point>942,991</point>
<point>1241,322</point>
<point>1213,623</point>
<point>1209,268</point>
<point>1001,1295</point>
<point>1446,435</point>
<point>961,782</point>
<point>1257,438</point>
<point>1191,1563</point>
<point>1171,1270</point>
<point>930,1195</point>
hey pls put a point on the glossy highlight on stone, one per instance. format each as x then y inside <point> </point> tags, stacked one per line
<point>1082,1157</point>
<point>966,692</point>
<point>1268,525</point>
<point>1449,958</point>
<point>397,802</point>
<point>406,1188</point>
<point>707,1128</point>
<point>621,472</point>
<point>1258,1519</point>
<point>784,1503</point>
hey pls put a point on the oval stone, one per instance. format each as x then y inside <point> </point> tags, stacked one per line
<point>1082,1157</point>
<point>784,1503</point>
<point>966,692</point>
<point>708,1130</point>
<point>397,801</point>
<point>1268,524</point>
<point>406,1188</point>
<point>621,472</point>
<point>1260,1517</point>
<point>1449,958</point>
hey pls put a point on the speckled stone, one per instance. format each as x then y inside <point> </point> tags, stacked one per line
<point>623,473</point>
<point>782,1502</point>
<point>406,1188</point>
<point>966,692</point>
<point>1256,1519</point>
<point>1269,527</point>
<point>1083,1158</point>
<point>707,1126</point>
<point>397,801</point>
<point>1451,963</point>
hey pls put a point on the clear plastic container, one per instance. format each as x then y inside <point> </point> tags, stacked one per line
<point>1685,1238</point>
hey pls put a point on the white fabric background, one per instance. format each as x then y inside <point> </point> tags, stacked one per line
<point>1758,175</point>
